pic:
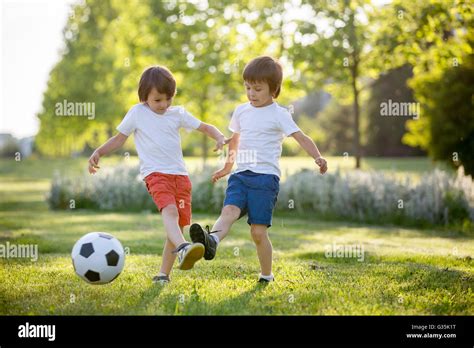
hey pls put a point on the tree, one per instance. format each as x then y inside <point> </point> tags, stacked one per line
<point>448,103</point>
<point>330,48</point>
<point>436,38</point>
<point>384,133</point>
<point>107,47</point>
<point>83,75</point>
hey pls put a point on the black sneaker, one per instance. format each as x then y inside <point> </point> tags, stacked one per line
<point>164,279</point>
<point>264,280</point>
<point>198,235</point>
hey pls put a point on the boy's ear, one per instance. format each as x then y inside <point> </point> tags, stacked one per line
<point>276,92</point>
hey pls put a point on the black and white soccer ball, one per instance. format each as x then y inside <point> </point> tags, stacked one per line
<point>98,257</point>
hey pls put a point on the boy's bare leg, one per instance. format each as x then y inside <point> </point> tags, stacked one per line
<point>229,215</point>
<point>264,247</point>
<point>168,257</point>
<point>170,218</point>
<point>174,237</point>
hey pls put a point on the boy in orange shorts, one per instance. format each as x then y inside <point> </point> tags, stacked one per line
<point>155,125</point>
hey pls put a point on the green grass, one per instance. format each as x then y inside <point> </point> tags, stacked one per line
<point>404,271</point>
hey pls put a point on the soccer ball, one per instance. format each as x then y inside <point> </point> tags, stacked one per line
<point>98,258</point>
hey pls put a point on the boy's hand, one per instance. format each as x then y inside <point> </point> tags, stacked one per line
<point>94,162</point>
<point>220,174</point>
<point>221,142</point>
<point>323,164</point>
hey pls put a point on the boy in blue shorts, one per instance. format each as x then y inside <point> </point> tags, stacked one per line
<point>259,128</point>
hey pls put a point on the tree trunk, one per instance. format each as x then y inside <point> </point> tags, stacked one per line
<point>355,75</point>
<point>355,91</point>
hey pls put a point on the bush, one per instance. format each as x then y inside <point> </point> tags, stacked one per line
<point>439,197</point>
<point>9,149</point>
<point>118,188</point>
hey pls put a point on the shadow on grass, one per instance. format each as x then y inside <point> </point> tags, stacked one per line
<point>33,205</point>
<point>412,277</point>
<point>354,259</point>
<point>443,284</point>
<point>147,297</point>
<point>374,259</point>
<point>290,221</point>
<point>393,231</point>
<point>237,305</point>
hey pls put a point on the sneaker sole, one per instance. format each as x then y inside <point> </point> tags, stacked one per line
<point>194,254</point>
<point>197,236</point>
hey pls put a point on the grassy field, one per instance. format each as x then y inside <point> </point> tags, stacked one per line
<point>403,271</point>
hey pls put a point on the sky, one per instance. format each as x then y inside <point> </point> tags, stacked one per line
<point>30,41</point>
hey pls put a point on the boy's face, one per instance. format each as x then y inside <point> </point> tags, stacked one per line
<point>158,102</point>
<point>258,93</point>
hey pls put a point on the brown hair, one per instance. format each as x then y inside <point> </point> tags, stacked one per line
<point>156,77</point>
<point>265,69</point>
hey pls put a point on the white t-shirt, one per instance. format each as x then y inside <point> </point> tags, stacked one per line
<point>262,131</point>
<point>157,137</point>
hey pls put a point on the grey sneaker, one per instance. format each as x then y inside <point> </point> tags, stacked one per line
<point>189,254</point>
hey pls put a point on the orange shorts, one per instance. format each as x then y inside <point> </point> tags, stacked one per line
<point>166,189</point>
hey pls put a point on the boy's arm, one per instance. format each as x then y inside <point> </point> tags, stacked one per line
<point>110,145</point>
<point>214,133</point>
<point>311,149</point>
<point>229,163</point>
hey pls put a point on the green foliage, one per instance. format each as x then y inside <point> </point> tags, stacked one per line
<point>331,50</point>
<point>340,46</point>
<point>336,123</point>
<point>448,106</point>
<point>436,38</point>
<point>107,47</point>
<point>83,74</point>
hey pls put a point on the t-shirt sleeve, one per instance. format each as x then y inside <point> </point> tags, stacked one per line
<point>234,125</point>
<point>287,124</point>
<point>128,124</point>
<point>188,121</point>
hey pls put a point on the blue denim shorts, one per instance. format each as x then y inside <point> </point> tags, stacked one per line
<point>255,194</point>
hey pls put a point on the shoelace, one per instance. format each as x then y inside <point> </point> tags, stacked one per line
<point>179,248</point>
<point>208,230</point>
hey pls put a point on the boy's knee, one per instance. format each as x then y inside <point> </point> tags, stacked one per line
<point>230,212</point>
<point>258,234</point>
<point>170,210</point>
